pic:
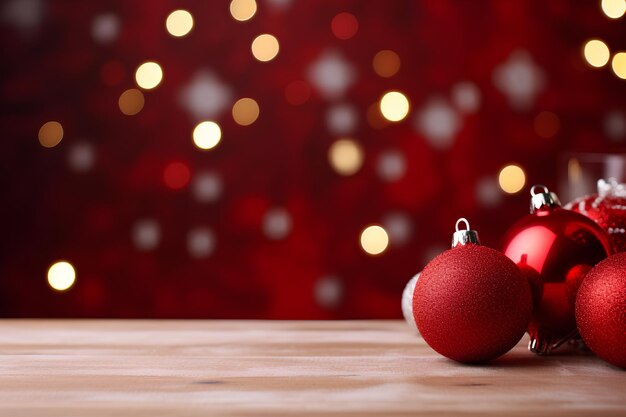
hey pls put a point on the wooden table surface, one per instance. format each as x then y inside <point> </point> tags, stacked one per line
<point>264,368</point>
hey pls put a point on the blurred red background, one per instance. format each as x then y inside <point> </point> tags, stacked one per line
<point>268,223</point>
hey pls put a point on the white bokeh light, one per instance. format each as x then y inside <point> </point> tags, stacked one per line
<point>201,242</point>
<point>279,4</point>
<point>331,74</point>
<point>206,97</point>
<point>431,252</point>
<point>466,97</point>
<point>25,15</point>
<point>615,126</point>
<point>105,28</point>
<point>520,80</point>
<point>277,223</point>
<point>146,234</point>
<point>438,122</point>
<point>341,119</point>
<point>399,227</point>
<point>328,292</point>
<point>207,187</point>
<point>81,156</point>
<point>488,192</point>
<point>391,165</point>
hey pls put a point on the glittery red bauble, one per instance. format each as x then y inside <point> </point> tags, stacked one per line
<point>471,304</point>
<point>608,210</point>
<point>601,310</point>
<point>554,248</point>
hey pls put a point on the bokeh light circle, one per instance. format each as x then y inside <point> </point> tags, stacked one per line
<point>265,47</point>
<point>176,175</point>
<point>374,240</point>
<point>596,53</point>
<point>61,276</point>
<point>618,64</point>
<point>179,23</point>
<point>386,63</point>
<point>512,179</point>
<point>50,134</point>
<point>148,75</point>
<point>242,10</point>
<point>394,106</point>
<point>345,156</point>
<point>131,101</point>
<point>344,25</point>
<point>613,9</point>
<point>207,135</point>
<point>245,111</point>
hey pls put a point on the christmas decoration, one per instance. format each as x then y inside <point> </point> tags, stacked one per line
<point>601,310</point>
<point>608,209</point>
<point>471,303</point>
<point>407,301</point>
<point>554,249</point>
<point>218,223</point>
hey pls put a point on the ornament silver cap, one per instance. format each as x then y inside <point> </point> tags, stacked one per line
<point>542,200</point>
<point>464,236</point>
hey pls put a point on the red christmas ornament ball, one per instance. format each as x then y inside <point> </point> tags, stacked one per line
<point>472,304</point>
<point>554,248</point>
<point>607,209</point>
<point>601,310</point>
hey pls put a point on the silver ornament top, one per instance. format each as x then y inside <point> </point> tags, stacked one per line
<point>542,200</point>
<point>463,237</point>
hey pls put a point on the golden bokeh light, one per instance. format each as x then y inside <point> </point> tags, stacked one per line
<point>345,156</point>
<point>61,276</point>
<point>512,179</point>
<point>394,106</point>
<point>386,63</point>
<point>179,23</point>
<point>148,75</point>
<point>265,47</point>
<point>374,240</point>
<point>596,53</point>
<point>618,64</point>
<point>131,102</point>
<point>207,135</point>
<point>242,10</point>
<point>245,111</point>
<point>50,134</point>
<point>613,9</point>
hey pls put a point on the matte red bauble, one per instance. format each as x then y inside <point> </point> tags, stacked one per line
<point>554,249</point>
<point>471,303</point>
<point>601,310</point>
<point>607,209</point>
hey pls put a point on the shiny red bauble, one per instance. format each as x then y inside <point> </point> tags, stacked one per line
<point>607,209</point>
<point>601,310</point>
<point>471,304</point>
<point>554,249</point>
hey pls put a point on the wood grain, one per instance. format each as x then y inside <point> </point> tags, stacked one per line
<point>262,368</point>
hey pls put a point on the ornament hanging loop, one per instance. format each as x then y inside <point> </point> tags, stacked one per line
<point>461,220</point>
<point>542,200</point>
<point>534,187</point>
<point>464,236</point>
